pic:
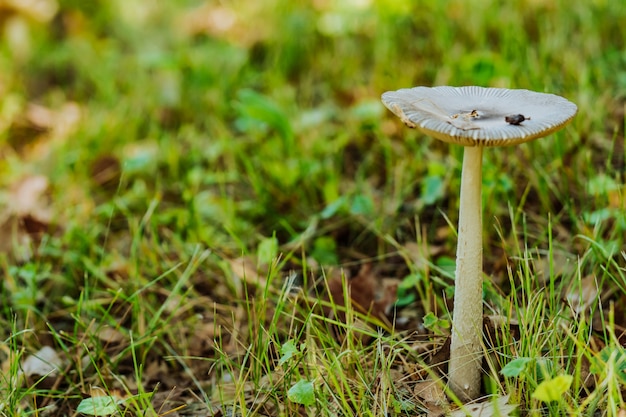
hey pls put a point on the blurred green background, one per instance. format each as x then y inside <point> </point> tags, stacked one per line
<point>229,123</point>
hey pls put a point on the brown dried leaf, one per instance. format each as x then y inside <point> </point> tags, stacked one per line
<point>368,293</point>
<point>245,268</point>
<point>563,264</point>
<point>110,335</point>
<point>436,411</point>
<point>33,226</point>
<point>157,371</point>
<point>250,390</point>
<point>38,10</point>
<point>27,197</point>
<point>117,394</point>
<point>202,338</point>
<point>439,360</point>
<point>65,120</point>
<point>34,132</point>
<point>224,22</point>
<point>106,172</point>
<point>431,392</point>
<point>209,19</point>
<point>40,117</point>
<point>617,198</point>
<point>420,254</point>
<point>582,295</point>
<point>27,214</point>
<point>495,323</point>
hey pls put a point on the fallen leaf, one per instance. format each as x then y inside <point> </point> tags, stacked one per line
<point>495,324</point>
<point>44,362</point>
<point>27,195</point>
<point>65,119</point>
<point>582,295</point>
<point>101,402</point>
<point>223,22</point>
<point>40,117</point>
<point>209,19</point>
<point>33,226</point>
<point>38,10</point>
<point>245,268</point>
<point>229,389</point>
<point>439,359</point>
<point>422,254</point>
<point>106,172</point>
<point>110,335</point>
<point>561,264</point>
<point>431,392</point>
<point>368,293</point>
<point>463,124</point>
<point>36,130</point>
<point>493,407</point>
<point>27,215</point>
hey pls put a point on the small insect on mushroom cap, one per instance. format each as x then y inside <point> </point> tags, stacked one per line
<point>516,119</point>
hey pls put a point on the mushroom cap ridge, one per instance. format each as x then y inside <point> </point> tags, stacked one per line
<point>475,116</point>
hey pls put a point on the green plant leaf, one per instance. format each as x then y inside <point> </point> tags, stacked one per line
<point>553,389</point>
<point>406,290</point>
<point>515,367</point>
<point>411,280</point>
<point>602,184</point>
<point>362,205</point>
<point>255,107</point>
<point>288,350</point>
<point>333,208</point>
<point>367,110</point>
<point>405,298</point>
<point>325,251</point>
<point>610,358</point>
<point>447,265</point>
<point>598,216</point>
<point>98,406</point>
<point>302,392</point>
<point>432,189</point>
<point>433,322</point>
<point>267,250</point>
<point>430,320</point>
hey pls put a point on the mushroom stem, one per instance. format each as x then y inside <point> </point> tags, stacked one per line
<point>465,350</point>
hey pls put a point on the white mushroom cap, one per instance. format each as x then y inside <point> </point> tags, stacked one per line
<point>475,116</point>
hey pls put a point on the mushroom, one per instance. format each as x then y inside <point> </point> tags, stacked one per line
<point>475,117</point>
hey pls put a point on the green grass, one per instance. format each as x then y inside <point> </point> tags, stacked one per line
<point>177,151</point>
